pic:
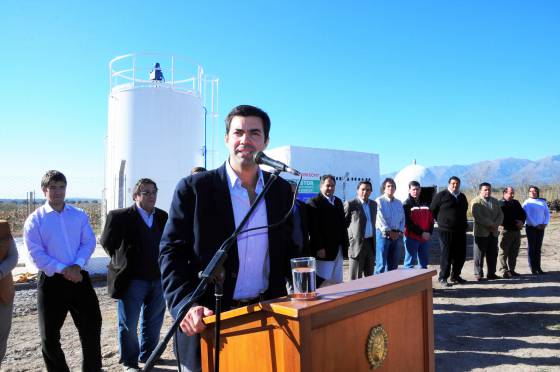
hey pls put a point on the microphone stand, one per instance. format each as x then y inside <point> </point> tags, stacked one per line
<point>211,274</point>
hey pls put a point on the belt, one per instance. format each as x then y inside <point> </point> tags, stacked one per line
<point>246,301</point>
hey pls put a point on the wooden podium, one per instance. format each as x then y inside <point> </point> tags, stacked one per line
<point>381,322</point>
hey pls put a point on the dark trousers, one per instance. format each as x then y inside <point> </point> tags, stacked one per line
<point>509,249</point>
<point>486,246</point>
<point>56,297</point>
<point>453,245</point>
<point>362,265</point>
<point>534,242</point>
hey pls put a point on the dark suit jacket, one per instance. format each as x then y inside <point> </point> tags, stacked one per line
<point>120,239</point>
<point>450,212</point>
<point>200,220</point>
<point>356,222</point>
<point>302,210</point>
<point>327,227</point>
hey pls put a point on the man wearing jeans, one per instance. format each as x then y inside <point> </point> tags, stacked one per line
<point>418,229</point>
<point>389,228</point>
<point>131,238</point>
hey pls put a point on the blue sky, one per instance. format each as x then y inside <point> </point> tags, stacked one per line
<point>445,82</point>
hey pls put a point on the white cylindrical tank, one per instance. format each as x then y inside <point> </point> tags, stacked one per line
<point>156,128</point>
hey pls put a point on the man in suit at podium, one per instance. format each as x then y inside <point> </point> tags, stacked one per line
<point>206,209</point>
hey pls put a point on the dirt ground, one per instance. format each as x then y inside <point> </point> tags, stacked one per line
<point>499,325</point>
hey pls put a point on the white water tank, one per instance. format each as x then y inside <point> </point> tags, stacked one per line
<point>156,128</point>
<point>414,172</point>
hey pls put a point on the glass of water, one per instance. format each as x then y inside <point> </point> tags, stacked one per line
<point>303,276</point>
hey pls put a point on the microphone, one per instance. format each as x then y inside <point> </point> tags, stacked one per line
<point>261,158</point>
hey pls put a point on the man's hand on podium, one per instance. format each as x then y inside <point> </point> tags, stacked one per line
<point>192,323</point>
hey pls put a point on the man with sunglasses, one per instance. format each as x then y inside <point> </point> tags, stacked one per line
<point>131,238</point>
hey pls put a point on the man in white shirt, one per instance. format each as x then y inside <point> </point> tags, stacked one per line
<point>60,241</point>
<point>389,228</point>
<point>538,217</point>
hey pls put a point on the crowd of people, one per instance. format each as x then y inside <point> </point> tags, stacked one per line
<point>379,229</point>
<point>155,258</point>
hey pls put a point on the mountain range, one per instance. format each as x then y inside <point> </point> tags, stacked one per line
<point>500,172</point>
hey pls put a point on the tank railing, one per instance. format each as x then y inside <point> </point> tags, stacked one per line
<point>188,85</point>
<point>129,78</point>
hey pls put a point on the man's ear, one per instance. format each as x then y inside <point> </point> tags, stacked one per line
<point>266,143</point>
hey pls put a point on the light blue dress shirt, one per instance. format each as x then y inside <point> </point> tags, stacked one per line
<point>368,233</point>
<point>252,247</point>
<point>56,240</point>
<point>147,217</point>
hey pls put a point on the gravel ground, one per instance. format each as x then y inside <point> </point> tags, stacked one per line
<point>500,325</point>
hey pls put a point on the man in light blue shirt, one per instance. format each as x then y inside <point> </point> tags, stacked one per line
<point>389,228</point>
<point>60,241</point>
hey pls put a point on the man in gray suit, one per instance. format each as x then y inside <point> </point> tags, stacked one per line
<point>360,216</point>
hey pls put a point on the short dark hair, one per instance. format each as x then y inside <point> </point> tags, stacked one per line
<point>385,182</point>
<point>139,183</point>
<point>52,176</point>
<point>197,170</point>
<point>536,189</point>
<point>454,178</point>
<point>248,110</point>
<point>365,183</point>
<point>506,189</point>
<point>413,183</point>
<point>484,184</point>
<point>325,177</point>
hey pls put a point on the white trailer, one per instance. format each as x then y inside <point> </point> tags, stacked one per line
<point>348,168</point>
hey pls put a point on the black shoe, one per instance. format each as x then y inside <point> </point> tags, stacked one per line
<point>513,273</point>
<point>507,275</point>
<point>539,271</point>
<point>458,280</point>
<point>444,283</point>
<point>492,276</point>
<point>479,278</point>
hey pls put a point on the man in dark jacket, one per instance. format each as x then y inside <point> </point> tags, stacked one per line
<point>419,225</point>
<point>327,231</point>
<point>514,219</point>
<point>360,214</point>
<point>300,233</point>
<point>449,208</point>
<point>206,209</point>
<point>131,238</point>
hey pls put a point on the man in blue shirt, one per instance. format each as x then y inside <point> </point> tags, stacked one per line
<point>389,228</point>
<point>60,241</point>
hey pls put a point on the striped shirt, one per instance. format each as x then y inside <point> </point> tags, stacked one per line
<point>390,214</point>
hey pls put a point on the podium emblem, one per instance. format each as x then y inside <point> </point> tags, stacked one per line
<point>376,347</point>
